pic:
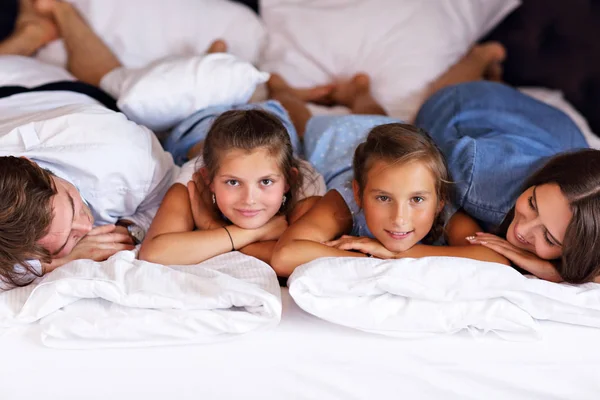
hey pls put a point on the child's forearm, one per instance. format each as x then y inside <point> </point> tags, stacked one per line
<point>297,252</point>
<point>473,252</point>
<point>193,247</point>
<point>261,250</point>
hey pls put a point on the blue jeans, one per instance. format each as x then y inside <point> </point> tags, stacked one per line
<point>494,137</point>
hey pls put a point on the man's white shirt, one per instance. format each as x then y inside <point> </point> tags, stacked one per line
<point>119,167</point>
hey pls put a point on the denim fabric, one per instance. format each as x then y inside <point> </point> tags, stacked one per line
<point>493,138</point>
<point>329,144</point>
<point>194,128</point>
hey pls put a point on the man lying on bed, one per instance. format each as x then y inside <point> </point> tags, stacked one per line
<point>110,170</point>
<point>77,180</point>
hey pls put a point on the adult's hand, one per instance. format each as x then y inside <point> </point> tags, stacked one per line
<point>530,262</point>
<point>98,245</point>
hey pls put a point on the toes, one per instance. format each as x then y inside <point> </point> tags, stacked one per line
<point>361,79</point>
<point>44,6</point>
<point>494,72</point>
<point>492,51</point>
<point>218,46</point>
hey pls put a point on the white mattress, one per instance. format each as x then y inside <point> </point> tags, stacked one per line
<point>307,358</point>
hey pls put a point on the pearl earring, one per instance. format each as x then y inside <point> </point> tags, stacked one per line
<point>283,200</point>
<point>214,199</point>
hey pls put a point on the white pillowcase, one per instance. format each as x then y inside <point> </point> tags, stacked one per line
<point>142,31</point>
<point>126,302</point>
<point>401,44</point>
<point>167,91</point>
<point>438,295</point>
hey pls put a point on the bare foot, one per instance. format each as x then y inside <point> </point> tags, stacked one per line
<point>34,26</point>
<point>494,72</point>
<point>278,85</point>
<point>346,93</point>
<point>489,51</point>
<point>218,46</point>
<point>483,61</point>
<point>32,31</point>
<point>38,31</point>
<point>45,7</point>
<point>492,55</point>
<point>356,95</point>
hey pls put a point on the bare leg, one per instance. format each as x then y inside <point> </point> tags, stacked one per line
<point>89,59</point>
<point>32,31</point>
<point>292,100</point>
<point>481,62</point>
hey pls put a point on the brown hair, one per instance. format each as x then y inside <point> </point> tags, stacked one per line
<point>250,130</point>
<point>399,144</point>
<point>26,213</point>
<point>578,176</point>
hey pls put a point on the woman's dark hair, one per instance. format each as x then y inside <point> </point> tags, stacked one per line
<point>399,144</point>
<point>578,176</point>
<point>249,130</point>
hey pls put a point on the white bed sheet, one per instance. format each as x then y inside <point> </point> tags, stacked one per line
<point>307,358</point>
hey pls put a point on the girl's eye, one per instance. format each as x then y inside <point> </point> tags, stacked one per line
<point>384,199</point>
<point>418,199</point>
<point>530,201</point>
<point>232,182</point>
<point>266,182</point>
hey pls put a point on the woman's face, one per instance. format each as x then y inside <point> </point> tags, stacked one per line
<point>542,215</point>
<point>249,187</point>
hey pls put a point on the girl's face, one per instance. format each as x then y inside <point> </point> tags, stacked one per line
<point>542,215</point>
<point>400,203</point>
<point>249,187</point>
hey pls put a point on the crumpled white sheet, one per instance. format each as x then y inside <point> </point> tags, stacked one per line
<point>125,302</point>
<point>438,295</point>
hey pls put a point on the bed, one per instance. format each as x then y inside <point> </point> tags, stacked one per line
<point>308,358</point>
<point>295,354</point>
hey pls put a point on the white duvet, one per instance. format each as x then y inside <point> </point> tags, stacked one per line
<point>438,295</point>
<point>125,302</point>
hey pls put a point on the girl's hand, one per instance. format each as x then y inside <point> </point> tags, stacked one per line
<point>363,244</point>
<point>201,202</point>
<point>273,229</point>
<point>543,269</point>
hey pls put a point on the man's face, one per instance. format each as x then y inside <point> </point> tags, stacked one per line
<point>71,220</point>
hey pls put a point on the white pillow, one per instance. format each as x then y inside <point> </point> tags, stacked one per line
<point>401,44</point>
<point>126,302</point>
<point>438,295</point>
<point>142,31</point>
<point>167,91</point>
